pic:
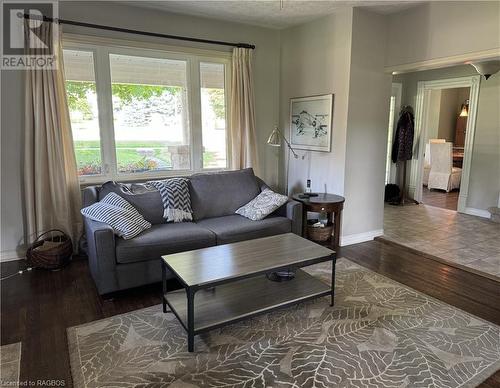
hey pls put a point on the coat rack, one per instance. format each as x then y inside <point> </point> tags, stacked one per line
<point>403,199</point>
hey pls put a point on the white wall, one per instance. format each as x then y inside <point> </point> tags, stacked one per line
<point>315,59</point>
<point>11,215</point>
<point>343,54</point>
<point>439,29</point>
<point>484,184</point>
<point>266,75</point>
<point>369,97</point>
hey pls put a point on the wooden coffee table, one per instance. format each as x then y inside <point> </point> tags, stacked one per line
<point>230,281</point>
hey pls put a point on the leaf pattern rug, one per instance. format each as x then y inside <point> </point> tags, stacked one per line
<point>10,363</point>
<point>379,334</point>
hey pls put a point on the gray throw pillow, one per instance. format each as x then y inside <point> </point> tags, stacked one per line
<point>143,197</point>
<point>262,205</point>
<point>115,211</point>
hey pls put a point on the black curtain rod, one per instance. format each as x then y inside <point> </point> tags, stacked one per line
<point>137,32</point>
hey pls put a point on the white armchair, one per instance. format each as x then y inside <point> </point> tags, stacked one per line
<point>443,175</point>
<point>427,159</point>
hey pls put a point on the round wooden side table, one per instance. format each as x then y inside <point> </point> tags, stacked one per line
<point>333,205</point>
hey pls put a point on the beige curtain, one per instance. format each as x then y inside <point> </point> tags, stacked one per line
<point>243,137</point>
<point>51,188</point>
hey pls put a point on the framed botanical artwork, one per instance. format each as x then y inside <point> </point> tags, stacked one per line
<point>311,122</point>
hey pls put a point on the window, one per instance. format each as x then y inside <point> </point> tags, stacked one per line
<point>145,113</point>
<point>150,114</point>
<point>213,114</point>
<point>82,103</point>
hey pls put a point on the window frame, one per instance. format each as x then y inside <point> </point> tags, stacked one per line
<point>101,48</point>
<point>227,110</point>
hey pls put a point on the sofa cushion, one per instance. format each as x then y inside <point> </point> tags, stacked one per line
<point>235,228</point>
<point>221,194</point>
<point>144,197</point>
<point>116,212</point>
<point>163,239</point>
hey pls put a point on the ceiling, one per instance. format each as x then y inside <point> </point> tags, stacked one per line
<point>267,13</point>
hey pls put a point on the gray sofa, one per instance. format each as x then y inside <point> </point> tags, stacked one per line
<point>117,264</point>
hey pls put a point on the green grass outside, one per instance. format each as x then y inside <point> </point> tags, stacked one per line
<point>88,154</point>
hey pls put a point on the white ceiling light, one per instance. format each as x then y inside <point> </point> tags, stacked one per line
<point>487,68</point>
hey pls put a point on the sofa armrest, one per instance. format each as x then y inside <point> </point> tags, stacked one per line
<point>89,197</point>
<point>293,211</point>
<point>101,249</point>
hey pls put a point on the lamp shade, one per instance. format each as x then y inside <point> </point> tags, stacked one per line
<point>274,138</point>
<point>465,110</point>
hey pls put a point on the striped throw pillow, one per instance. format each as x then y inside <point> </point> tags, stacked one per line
<point>118,213</point>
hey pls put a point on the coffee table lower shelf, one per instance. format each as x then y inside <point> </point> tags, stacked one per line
<point>231,302</point>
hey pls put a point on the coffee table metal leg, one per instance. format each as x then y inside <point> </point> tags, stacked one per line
<point>333,281</point>
<point>164,285</point>
<point>190,306</point>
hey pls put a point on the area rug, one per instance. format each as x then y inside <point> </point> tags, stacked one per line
<point>10,361</point>
<point>379,334</point>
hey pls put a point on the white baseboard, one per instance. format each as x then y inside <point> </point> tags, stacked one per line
<point>11,255</point>
<point>477,212</point>
<point>360,237</point>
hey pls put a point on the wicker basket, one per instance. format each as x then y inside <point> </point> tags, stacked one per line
<point>319,234</point>
<point>52,252</point>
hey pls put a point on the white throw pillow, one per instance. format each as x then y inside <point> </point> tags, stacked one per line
<point>262,205</point>
<point>118,213</point>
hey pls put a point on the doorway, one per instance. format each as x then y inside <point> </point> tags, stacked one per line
<point>450,125</point>
<point>446,126</point>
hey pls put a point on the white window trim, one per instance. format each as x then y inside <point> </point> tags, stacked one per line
<point>101,48</point>
<point>92,40</point>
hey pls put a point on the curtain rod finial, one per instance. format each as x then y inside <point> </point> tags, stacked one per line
<point>245,45</point>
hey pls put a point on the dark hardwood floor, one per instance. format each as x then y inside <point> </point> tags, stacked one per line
<point>37,307</point>
<point>439,198</point>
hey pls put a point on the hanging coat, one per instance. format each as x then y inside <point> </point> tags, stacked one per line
<point>402,146</point>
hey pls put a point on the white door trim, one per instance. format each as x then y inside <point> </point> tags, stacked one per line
<point>396,92</point>
<point>472,82</point>
<point>437,63</point>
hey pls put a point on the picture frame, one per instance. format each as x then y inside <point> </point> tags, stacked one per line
<point>311,122</point>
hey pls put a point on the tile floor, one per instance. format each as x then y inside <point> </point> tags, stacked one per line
<point>468,242</point>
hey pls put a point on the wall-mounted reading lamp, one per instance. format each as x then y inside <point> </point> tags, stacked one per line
<point>274,140</point>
